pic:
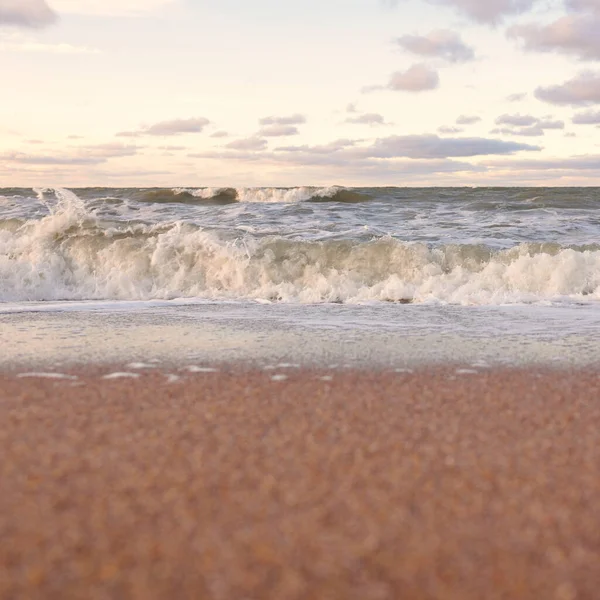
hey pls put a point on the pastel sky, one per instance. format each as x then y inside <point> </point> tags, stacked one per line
<point>285,93</point>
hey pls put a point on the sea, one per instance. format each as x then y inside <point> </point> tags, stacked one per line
<point>394,277</point>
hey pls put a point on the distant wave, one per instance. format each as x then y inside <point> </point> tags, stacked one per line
<point>71,255</point>
<point>254,195</point>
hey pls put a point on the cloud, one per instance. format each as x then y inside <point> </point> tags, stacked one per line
<point>590,117</point>
<point>449,129</point>
<point>330,148</point>
<point>573,34</point>
<point>419,78</point>
<point>366,119</point>
<point>168,128</point>
<point>110,8</point>
<point>296,119</point>
<point>219,134</point>
<point>89,155</point>
<point>484,11</point>
<point>19,42</point>
<point>516,97</point>
<point>516,120</point>
<point>26,13</point>
<point>592,6</point>
<point>251,143</point>
<point>525,125</point>
<point>432,146</point>
<point>583,90</point>
<point>581,163</point>
<point>533,131</point>
<point>278,130</point>
<point>441,43</point>
<point>467,120</point>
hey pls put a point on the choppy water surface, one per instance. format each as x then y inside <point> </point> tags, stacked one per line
<point>302,245</point>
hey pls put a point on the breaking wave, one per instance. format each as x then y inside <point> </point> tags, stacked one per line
<point>253,195</point>
<point>71,255</point>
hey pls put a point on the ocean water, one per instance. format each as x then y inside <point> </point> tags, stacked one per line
<point>458,263</point>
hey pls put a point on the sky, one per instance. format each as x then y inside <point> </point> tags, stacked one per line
<point>320,92</point>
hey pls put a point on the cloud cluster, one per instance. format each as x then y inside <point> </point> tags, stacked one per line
<point>441,43</point>
<point>423,147</point>
<point>486,11</point>
<point>525,125</point>
<point>110,8</point>
<point>89,155</point>
<point>577,35</point>
<point>582,90</point>
<point>432,146</point>
<point>170,128</point>
<point>574,34</point>
<point>26,13</point>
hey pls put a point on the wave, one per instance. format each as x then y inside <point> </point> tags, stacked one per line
<point>71,255</point>
<point>254,195</point>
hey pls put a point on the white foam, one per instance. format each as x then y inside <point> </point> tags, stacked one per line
<point>141,365</point>
<point>48,376</point>
<point>279,377</point>
<point>122,375</point>
<point>265,195</point>
<point>197,369</point>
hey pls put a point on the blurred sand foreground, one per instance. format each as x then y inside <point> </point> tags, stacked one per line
<point>438,484</point>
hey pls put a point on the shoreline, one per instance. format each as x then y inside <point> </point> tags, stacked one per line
<point>327,484</point>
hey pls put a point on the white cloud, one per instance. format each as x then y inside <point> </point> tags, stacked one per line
<point>485,11</point>
<point>525,125</point>
<point>432,146</point>
<point>251,143</point>
<point>449,129</point>
<point>278,130</point>
<point>367,119</point>
<point>584,5</point>
<point>533,131</point>
<point>441,43</point>
<point>573,34</point>
<point>419,78</point>
<point>583,163</point>
<point>26,13</point>
<point>115,8</point>
<point>168,128</point>
<point>590,117</point>
<point>516,120</point>
<point>83,155</point>
<point>296,119</point>
<point>583,90</point>
<point>468,120</point>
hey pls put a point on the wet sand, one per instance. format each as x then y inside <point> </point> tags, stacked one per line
<point>436,484</point>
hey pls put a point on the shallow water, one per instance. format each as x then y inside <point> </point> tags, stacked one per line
<point>186,335</point>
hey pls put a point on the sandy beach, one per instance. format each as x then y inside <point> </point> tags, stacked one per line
<point>445,483</point>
